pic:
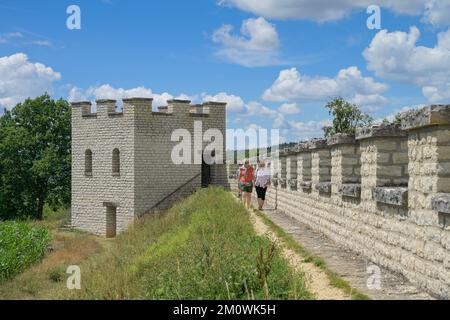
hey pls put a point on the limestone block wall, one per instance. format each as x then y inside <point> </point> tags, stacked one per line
<point>386,197</point>
<point>291,171</point>
<point>101,133</point>
<point>345,167</point>
<point>303,167</point>
<point>149,178</point>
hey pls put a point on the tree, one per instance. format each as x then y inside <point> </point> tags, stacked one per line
<point>35,152</point>
<point>346,117</point>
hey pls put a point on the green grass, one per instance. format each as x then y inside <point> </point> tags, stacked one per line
<point>21,245</point>
<point>290,242</point>
<point>203,248</point>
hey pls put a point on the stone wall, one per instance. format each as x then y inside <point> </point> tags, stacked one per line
<point>386,197</point>
<point>148,179</point>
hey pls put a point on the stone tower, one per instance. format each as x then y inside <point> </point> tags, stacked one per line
<point>122,162</point>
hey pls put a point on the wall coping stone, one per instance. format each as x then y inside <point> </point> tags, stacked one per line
<point>288,152</point>
<point>105,101</point>
<point>291,151</point>
<point>424,117</point>
<point>441,202</point>
<point>301,147</point>
<point>81,103</point>
<point>380,130</point>
<point>317,144</point>
<point>214,103</point>
<point>138,100</point>
<point>324,187</point>
<point>341,138</point>
<point>351,190</point>
<point>283,153</point>
<point>181,101</point>
<point>397,196</point>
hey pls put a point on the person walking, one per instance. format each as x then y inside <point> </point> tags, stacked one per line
<point>246,180</point>
<point>239,173</point>
<point>262,183</point>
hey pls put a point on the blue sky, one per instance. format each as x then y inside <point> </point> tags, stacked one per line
<point>275,62</point>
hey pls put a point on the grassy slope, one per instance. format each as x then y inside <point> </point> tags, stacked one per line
<point>203,248</point>
<point>44,278</point>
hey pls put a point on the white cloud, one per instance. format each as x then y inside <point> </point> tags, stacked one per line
<point>106,91</point>
<point>19,38</point>
<point>437,94</point>
<point>234,103</point>
<point>238,106</point>
<point>21,79</point>
<point>42,43</point>
<point>391,117</point>
<point>289,108</point>
<point>243,113</point>
<point>7,37</point>
<point>369,103</point>
<point>76,94</point>
<point>307,130</point>
<point>348,83</point>
<point>257,45</point>
<point>396,56</point>
<point>249,111</point>
<point>435,12</point>
<point>254,108</point>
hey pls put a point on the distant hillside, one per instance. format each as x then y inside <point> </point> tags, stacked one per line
<point>250,153</point>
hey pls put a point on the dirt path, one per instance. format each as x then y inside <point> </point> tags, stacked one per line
<point>318,281</point>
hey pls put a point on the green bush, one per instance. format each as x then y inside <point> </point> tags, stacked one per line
<point>21,245</point>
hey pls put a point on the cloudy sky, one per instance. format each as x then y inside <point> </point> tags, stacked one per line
<point>276,62</point>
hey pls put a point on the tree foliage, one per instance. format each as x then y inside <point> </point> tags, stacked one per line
<point>35,143</point>
<point>346,117</point>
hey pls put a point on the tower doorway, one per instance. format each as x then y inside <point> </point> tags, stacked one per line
<point>206,174</point>
<point>111,222</point>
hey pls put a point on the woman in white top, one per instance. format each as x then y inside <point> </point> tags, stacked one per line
<point>261,184</point>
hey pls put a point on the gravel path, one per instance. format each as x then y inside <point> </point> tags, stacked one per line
<point>317,280</point>
<point>346,264</point>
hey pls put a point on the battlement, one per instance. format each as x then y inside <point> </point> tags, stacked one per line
<point>125,161</point>
<point>383,193</point>
<point>143,106</point>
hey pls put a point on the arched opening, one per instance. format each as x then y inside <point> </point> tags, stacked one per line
<point>116,162</point>
<point>88,163</point>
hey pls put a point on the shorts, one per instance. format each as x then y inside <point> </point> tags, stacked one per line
<point>261,192</point>
<point>246,186</point>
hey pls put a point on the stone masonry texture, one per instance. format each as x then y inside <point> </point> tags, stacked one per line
<point>148,178</point>
<point>390,194</point>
